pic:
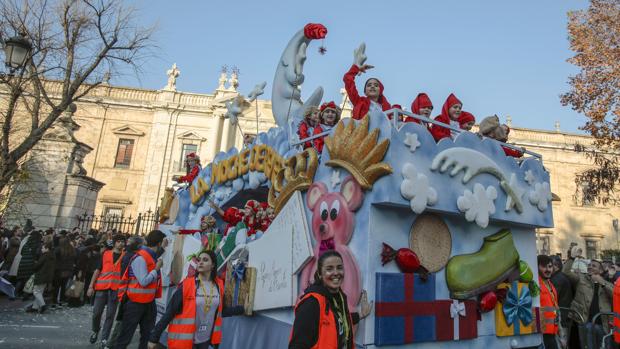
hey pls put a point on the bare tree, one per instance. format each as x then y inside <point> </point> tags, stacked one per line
<point>594,36</point>
<point>77,45</point>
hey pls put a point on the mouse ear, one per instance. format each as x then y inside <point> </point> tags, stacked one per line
<point>352,193</point>
<point>315,191</point>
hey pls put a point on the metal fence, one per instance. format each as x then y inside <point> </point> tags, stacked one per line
<point>141,225</point>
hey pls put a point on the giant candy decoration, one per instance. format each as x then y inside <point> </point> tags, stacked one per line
<point>465,210</point>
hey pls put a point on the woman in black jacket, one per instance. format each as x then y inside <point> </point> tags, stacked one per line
<point>322,318</point>
<point>65,264</point>
<point>44,274</point>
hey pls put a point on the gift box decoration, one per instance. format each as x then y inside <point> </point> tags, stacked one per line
<point>407,311</point>
<point>515,315</point>
<point>239,286</point>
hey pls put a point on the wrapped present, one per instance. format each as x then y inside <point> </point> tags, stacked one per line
<point>239,286</point>
<point>407,311</point>
<point>515,315</point>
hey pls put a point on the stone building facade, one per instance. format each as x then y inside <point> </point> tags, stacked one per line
<point>140,137</point>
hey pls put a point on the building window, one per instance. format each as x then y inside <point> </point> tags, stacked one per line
<point>543,244</point>
<point>112,211</point>
<point>187,148</point>
<point>591,249</point>
<point>123,153</point>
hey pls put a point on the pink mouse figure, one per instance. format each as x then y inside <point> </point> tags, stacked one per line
<point>333,222</point>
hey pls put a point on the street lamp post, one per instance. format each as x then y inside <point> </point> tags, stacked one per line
<point>17,51</point>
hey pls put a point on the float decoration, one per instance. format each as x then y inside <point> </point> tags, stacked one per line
<point>239,286</point>
<point>515,316</point>
<point>541,196</point>
<point>354,149</point>
<point>430,240</point>
<point>469,275</point>
<point>411,140</point>
<point>478,206</point>
<point>406,260</point>
<point>407,311</point>
<point>416,189</point>
<point>473,163</point>
<point>297,174</point>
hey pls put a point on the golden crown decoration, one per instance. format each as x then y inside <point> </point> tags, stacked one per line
<point>296,174</point>
<point>357,151</point>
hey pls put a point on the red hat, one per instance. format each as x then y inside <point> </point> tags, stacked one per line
<point>421,101</point>
<point>192,156</point>
<point>466,117</point>
<point>264,205</point>
<point>450,101</point>
<point>329,105</point>
<point>396,106</point>
<point>253,204</point>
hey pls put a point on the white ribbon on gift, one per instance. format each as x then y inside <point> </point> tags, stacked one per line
<point>457,309</point>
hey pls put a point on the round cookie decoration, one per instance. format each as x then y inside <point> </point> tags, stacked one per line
<point>431,241</point>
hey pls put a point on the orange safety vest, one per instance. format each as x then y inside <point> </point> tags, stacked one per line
<point>130,285</point>
<point>328,330</point>
<point>110,274</point>
<point>616,308</point>
<point>182,327</point>
<point>548,307</point>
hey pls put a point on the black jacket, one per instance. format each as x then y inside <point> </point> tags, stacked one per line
<point>306,325</point>
<point>565,294</point>
<point>44,268</point>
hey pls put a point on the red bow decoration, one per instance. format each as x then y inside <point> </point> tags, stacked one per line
<point>406,260</point>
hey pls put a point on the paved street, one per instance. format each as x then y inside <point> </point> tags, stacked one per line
<point>57,328</point>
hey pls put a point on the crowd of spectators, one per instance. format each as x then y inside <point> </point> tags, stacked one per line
<point>54,260</point>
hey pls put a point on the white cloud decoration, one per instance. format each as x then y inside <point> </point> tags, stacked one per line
<point>541,196</point>
<point>411,140</point>
<point>529,177</point>
<point>479,205</point>
<point>416,189</point>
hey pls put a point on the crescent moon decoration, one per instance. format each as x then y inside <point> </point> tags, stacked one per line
<point>286,102</point>
<point>473,163</point>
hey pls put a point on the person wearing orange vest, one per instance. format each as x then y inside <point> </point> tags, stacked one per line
<point>194,313</point>
<point>548,302</point>
<point>141,284</point>
<point>105,282</point>
<point>616,309</point>
<point>322,317</point>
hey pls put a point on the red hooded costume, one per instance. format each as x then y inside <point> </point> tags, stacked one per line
<point>439,132</point>
<point>361,105</point>
<point>466,117</point>
<point>319,142</point>
<point>421,101</point>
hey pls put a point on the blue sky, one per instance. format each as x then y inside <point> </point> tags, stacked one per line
<point>503,57</point>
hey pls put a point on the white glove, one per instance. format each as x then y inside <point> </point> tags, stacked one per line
<point>359,55</point>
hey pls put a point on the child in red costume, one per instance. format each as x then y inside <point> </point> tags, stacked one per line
<point>450,113</point>
<point>421,105</point>
<point>373,88</point>
<point>467,120</point>
<point>192,163</point>
<point>308,124</point>
<point>232,216</point>
<point>329,116</point>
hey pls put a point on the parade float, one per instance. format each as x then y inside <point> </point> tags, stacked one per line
<point>440,235</point>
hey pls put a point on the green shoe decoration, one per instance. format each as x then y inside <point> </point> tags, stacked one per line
<point>525,272</point>
<point>469,275</point>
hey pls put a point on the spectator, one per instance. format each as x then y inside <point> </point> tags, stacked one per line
<point>88,257</point>
<point>593,294</point>
<point>65,263</point>
<point>29,253</point>
<point>44,274</point>
<point>565,293</point>
<point>104,285</point>
<point>141,284</point>
<point>548,302</point>
<point>14,240</point>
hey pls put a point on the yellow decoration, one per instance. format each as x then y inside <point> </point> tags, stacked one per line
<point>501,327</point>
<point>166,200</point>
<point>356,150</point>
<point>297,174</point>
<point>195,194</point>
